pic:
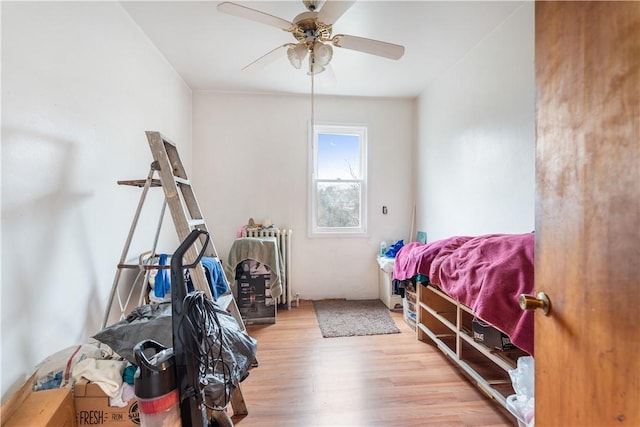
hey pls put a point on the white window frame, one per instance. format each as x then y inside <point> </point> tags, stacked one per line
<point>342,129</point>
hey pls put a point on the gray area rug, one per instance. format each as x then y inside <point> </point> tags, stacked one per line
<point>348,318</point>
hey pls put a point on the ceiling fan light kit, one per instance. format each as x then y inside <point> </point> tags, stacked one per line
<point>313,31</point>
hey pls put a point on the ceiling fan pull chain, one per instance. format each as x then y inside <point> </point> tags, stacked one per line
<point>313,114</point>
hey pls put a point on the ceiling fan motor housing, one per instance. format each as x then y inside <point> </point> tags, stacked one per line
<point>307,29</point>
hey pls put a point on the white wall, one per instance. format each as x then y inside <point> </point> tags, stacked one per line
<point>251,161</point>
<point>475,159</point>
<point>80,85</point>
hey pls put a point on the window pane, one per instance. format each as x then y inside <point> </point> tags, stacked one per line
<point>338,156</point>
<point>338,204</point>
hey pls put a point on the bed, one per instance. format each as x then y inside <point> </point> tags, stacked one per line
<point>486,273</point>
<point>468,289</point>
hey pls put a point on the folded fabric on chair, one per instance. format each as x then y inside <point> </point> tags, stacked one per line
<point>265,251</point>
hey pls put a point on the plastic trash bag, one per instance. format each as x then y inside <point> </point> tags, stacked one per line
<point>523,381</point>
<point>237,350</point>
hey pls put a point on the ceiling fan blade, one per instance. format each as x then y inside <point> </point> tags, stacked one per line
<point>374,47</point>
<point>254,15</point>
<point>328,78</point>
<point>267,58</point>
<point>333,10</point>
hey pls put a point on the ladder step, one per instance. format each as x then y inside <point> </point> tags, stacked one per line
<point>140,182</point>
<point>196,222</point>
<point>145,267</point>
<point>182,181</point>
<point>136,266</point>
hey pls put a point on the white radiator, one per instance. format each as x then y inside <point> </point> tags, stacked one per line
<point>283,236</point>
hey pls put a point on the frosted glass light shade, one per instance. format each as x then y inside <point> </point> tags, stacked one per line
<point>323,53</point>
<point>296,54</point>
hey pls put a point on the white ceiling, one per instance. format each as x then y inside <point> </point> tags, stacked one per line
<point>209,48</point>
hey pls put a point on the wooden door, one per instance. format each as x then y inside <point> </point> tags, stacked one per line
<point>588,213</point>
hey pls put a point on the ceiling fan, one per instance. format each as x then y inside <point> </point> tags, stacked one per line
<point>313,31</point>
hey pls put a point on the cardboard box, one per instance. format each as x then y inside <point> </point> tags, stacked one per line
<point>490,336</point>
<point>46,408</point>
<point>253,293</point>
<point>92,408</point>
<point>254,300</point>
<point>251,267</point>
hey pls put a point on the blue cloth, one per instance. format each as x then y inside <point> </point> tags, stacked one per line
<point>129,374</point>
<point>162,284</point>
<point>393,249</point>
<point>215,276</point>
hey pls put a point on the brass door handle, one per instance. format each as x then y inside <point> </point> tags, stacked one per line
<point>541,301</point>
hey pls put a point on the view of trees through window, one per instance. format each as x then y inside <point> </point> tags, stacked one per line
<point>339,205</point>
<point>339,179</point>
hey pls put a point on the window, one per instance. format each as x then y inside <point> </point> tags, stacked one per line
<point>338,193</point>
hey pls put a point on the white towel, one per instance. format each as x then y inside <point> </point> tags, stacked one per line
<point>106,373</point>
<point>125,394</point>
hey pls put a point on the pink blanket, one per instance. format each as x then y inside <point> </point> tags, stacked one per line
<point>486,273</point>
<point>415,258</point>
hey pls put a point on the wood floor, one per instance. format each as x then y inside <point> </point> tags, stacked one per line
<point>395,380</point>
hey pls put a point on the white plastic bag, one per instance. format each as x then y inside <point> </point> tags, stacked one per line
<point>523,381</point>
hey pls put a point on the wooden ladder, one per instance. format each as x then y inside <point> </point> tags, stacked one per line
<point>187,216</point>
